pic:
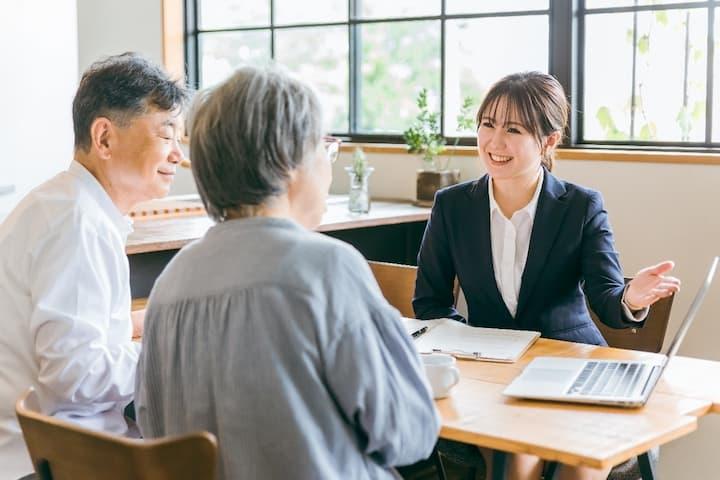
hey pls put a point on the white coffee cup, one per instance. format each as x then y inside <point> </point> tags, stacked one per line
<point>441,372</point>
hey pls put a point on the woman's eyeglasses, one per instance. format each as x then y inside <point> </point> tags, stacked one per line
<point>332,147</point>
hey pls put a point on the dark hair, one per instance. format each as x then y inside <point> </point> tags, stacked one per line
<point>120,88</point>
<point>537,99</point>
<point>247,135</point>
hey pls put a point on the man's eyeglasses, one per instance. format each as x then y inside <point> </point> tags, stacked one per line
<point>332,147</point>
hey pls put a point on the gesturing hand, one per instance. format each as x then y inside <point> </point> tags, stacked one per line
<point>650,285</point>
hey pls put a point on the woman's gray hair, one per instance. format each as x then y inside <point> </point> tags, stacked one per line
<point>247,135</point>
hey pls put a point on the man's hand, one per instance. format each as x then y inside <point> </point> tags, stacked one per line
<point>138,322</point>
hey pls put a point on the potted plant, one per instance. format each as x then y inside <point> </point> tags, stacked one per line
<point>423,137</point>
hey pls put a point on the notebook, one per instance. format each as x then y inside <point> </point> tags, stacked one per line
<point>445,335</point>
<point>602,382</point>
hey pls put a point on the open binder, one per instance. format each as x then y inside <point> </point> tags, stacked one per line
<point>463,341</point>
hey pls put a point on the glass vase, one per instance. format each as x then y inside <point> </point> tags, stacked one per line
<point>359,201</point>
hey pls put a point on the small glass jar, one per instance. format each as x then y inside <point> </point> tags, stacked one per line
<point>359,201</point>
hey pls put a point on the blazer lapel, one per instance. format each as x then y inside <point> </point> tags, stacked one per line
<point>551,209</point>
<point>486,272</point>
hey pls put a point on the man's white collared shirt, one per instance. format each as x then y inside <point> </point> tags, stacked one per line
<point>65,303</point>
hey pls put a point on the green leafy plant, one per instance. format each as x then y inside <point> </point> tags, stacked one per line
<point>465,119</point>
<point>465,123</point>
<point>423,136</point>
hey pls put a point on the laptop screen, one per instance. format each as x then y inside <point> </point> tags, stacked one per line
<point>694,307</point>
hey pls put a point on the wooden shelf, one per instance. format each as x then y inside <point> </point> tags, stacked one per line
<point>171,232</point>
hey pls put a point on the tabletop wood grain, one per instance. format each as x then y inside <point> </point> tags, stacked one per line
<point>595,436</point>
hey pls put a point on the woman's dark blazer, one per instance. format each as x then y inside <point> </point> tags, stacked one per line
<point>571,250</point>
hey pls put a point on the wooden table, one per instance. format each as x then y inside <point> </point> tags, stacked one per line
<point>599,437</point>
<point>390,232</point>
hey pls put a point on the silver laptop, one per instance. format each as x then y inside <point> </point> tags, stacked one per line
<point>604,382</point>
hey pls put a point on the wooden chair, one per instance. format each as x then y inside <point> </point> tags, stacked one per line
<point>397,284</point>
<point>63,451</point>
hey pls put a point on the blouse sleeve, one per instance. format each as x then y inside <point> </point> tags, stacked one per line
<point>375,374</point>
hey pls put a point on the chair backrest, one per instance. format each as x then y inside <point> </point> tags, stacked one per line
<point>63,451</point>
<point>650,338</point>
<point>397,284</point>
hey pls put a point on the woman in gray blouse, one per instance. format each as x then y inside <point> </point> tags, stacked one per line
<point>273,337</point>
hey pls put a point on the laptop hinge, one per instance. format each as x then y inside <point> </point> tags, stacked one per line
<point>651,380</point>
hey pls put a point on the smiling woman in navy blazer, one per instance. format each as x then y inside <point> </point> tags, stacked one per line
<point>571,241</point>
<point>567,249</point>
<point>527,247</point>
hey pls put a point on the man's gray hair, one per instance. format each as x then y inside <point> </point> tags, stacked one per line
<point>247,135</point>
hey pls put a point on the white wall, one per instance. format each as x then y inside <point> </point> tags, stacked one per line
<point>39,77</point>
<point>109,27</point>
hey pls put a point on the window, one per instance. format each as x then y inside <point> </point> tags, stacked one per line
<point>646,72</point>
<point>368,59</point>
<point>638,72</point>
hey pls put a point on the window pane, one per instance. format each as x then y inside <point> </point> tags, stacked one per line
<point>670,84</point>
<point>398,60</point>
<point>488,6</point>
<point>314,11</point>
<point>231,13</point>
<point>221,53</point>
<point>671,75</point>
<point>630,3</point>
<point>320,57</point>
<point>606,112</point>
<point>398,8</point>
<point>471,67</point>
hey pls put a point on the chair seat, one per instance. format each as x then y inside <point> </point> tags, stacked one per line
<point>461,454</point>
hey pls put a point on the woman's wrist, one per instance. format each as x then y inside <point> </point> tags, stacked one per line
<point>628,303</point>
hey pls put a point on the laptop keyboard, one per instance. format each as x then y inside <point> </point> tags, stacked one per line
<point>607,379</point>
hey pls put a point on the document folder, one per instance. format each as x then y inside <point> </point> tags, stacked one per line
<point>445,335</point>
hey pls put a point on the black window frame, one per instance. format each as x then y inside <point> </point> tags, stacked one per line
<point>566,34</point>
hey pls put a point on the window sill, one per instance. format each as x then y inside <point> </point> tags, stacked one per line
<point>583,154</point>
<point>599,155</point>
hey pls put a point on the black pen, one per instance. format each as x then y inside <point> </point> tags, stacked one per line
<point>419,332</point>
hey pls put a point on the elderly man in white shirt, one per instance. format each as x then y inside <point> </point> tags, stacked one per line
<point>65,295</point>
